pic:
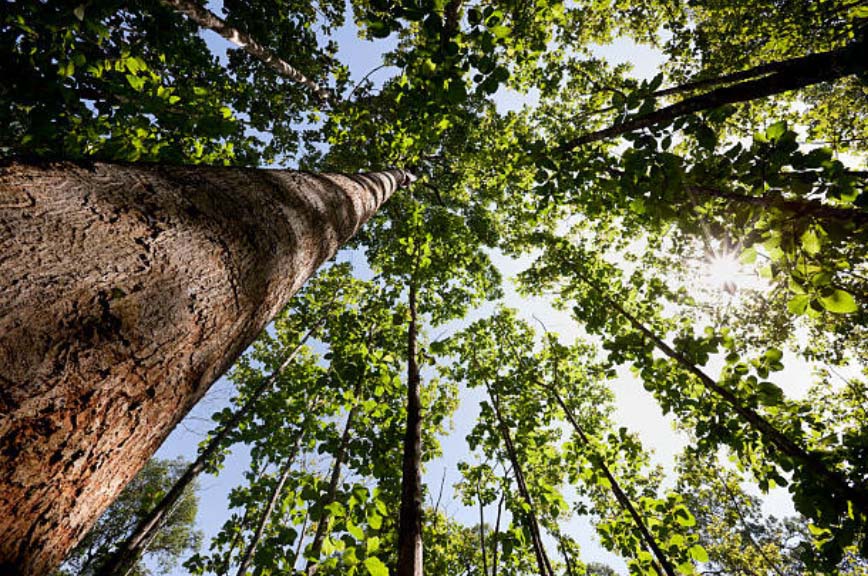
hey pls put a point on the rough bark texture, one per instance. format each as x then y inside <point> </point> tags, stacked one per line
<point>125,291</point>
<point>410,516</point>
<point>134,546</point>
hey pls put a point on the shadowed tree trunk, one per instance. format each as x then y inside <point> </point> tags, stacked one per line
<point>410,517</point>
<point>125,291</point>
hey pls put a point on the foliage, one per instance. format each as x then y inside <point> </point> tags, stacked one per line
<point>620,188</point>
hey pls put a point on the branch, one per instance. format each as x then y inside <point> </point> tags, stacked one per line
<point>207,19</point>
<point>792,75</point>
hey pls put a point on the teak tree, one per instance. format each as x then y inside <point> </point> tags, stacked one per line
<point>734,149</point>
<point>154,280</point>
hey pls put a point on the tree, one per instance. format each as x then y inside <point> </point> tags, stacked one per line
<point>200,258</point>
<point>622,190</point>
<point>175,537</point>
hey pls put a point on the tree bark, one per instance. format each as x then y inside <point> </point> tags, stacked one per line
<point>207,19</point>
<point>133,547</point>
<point>125,291</point>
<point>800,72</point>
<point>410,519</point>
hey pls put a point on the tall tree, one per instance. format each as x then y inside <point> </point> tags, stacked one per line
<point>153,279</point>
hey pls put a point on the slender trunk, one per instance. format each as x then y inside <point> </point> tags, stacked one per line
<point>482,529</point>
<point>495,536</point>
<point>566,554</point>
<point>620,495</point>
<point>746,527</point>
<point>761,70</point>
<point>133,546</point>
<point>125,291</point>
<point>798,73</point>
<point>410,520</point>
<point>772,435</point>
<point>331,493</point>
<point>224,569</point>
<point>207,19</point>
<point>545,568</point>
<point>297,554</point>
<point>266,514</point>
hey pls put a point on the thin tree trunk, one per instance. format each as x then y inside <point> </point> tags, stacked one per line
<point>331,493</point>
<point>761,70</point>
<point>410,519</point>
<point>771,434</point>
<point>125,291</point>
<point>297,554</point>
<point>567,560</point>
<point>224,569</point>
<point>482,529</point>
<point>207,19</point>
<point>620,495</point>
<point>266,514</point>
<point>495,537</point>
<point>132,548</point>
<point>545,567</point>
<point>800,72</point>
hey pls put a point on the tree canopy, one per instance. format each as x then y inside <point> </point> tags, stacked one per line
<point>701,228</point>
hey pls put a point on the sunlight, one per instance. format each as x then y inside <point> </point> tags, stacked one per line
<point>724,271</point>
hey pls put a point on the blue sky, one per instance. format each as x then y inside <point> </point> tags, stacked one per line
<point>635,407</point>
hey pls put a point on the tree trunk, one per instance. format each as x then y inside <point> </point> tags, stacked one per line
<point>247,558</point>
<point>800,72</point>
<point>331,494</point>
<point>619,494</point>
<point>542,559</point>
<point>125,291</point>
<point>783,443</point>
<point>207,19</point>
<point>410,519</point>
<point>133,547</point>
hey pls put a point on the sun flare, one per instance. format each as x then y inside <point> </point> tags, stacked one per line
<point>724,271</point>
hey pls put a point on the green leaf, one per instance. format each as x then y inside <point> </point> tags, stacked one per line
<point>355,531</point>
<point>810,241</point>
<point>839,302</point>
<point>374,520</point>
<point>798,303</point>
<point>698,553</point>
<point>79,11</point>
<point>376,567</point>
<point>500,31</point>
<point>776,130</point>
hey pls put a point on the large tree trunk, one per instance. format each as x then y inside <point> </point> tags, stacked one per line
<point>125,291</point>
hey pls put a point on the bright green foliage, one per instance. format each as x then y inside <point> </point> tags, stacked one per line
<point>135,81</point>
<point>619,224</point>
<point>732,528</point>
<point>175,539</point>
